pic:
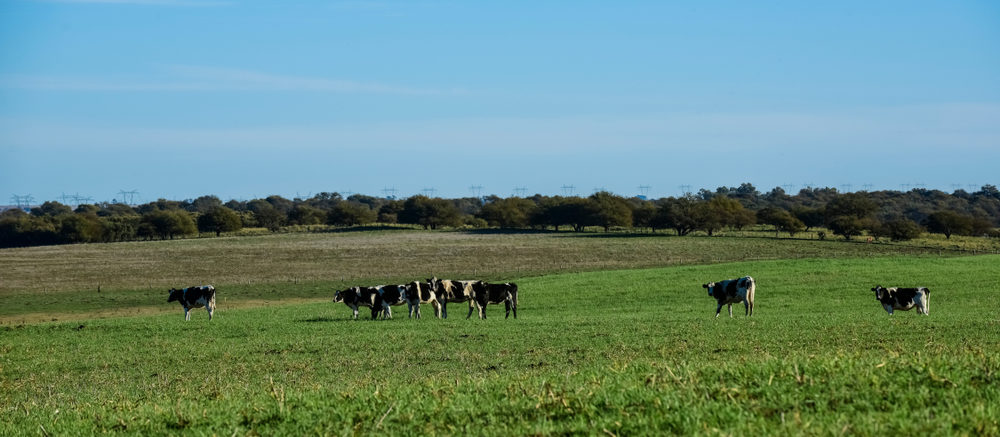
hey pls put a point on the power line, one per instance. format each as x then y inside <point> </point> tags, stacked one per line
<point>22,202</point>
<point>430,190</point>
<point>519,191</point>
<point>128,197</point>
<point>476,190</point>
<point>390,193</point>
<point>568,190</point>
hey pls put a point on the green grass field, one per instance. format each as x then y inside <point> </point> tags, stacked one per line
<point>83,281</point>
<point>597,350</point>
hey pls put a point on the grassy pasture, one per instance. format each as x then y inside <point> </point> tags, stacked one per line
<point>621,352</point>
<point>62,282</point>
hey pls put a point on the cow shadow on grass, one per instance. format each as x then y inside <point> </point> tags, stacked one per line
<point>326,319</point>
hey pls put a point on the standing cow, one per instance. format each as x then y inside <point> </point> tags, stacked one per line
<point>903,299</point>
<point>389,296</point>
<point>417,292</point>
<point>194,297</point>
<point>356,297</point>
<point>452,291</point>
<point>733,291</point>
<point>485,293</point>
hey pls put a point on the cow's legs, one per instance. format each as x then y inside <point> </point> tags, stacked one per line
<point>437,308</point>
<point>355,310</point>
<point>187,314</point>
<point>444,309</point>
<point>746,307</point>
<point>210,311</point>
<point>506,306</point>
<point>471,303</point>
<point>730,310</point>
<point>718,310</point>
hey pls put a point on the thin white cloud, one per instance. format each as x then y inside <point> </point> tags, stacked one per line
<point>203,78</point>
<point>255,80</point>
<point>196,3</point>
<point>56,83</point>
<point>903,130</point>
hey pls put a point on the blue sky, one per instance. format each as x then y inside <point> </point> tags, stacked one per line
<point>243,99</point>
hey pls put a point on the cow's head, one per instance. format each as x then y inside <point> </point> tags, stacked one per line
<point>880,292</point>
<point>432,283</point>
<point>174,294</point>
<point>339,296</point>
<point>710,286</point>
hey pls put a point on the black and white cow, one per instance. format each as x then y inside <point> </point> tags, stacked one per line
<point>903,299</point>
<point>417,292</point>
<point>733,291</point>
<point>389,296</point>
<point>356,297</point>
<point>452,291</point>
<point>485,293</point>
<point>194,297</point>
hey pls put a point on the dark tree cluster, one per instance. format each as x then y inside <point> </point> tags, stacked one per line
<point>890,214</point>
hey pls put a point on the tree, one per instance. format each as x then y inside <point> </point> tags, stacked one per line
<point>678,214</point>
<point>51,209</point>
<point>350,214</point>
<point>721,211</point>
<point>783,221</point>
<point>266,215</point>
<point>429,213</point>
<point>847,226</point>
<point>204,204</point>
<point>948,223</point>
<point>850,214</point>
<point>389,213</point>
<point>219,219</point>
<point>644,215</point>
<point>577,212</point>
<point>901,229</point>
<point>306,215</point>
<point>610,210</point>
<point>512,212</point>
<point>811,217</point>
<point>80,228</point>
<point>168,223</point>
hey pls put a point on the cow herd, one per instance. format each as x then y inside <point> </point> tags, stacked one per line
<point>478,294</point>
<point>436,292</point>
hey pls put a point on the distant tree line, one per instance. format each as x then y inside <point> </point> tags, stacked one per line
<point>881,214</point>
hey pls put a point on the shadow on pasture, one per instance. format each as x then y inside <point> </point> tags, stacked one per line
<point>351,229</point>
<point>509,231</point>
<point>326,319</point>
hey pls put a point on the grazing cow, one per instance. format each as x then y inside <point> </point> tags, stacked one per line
<point>389,296</point>
<point>452,291</point>
<point>903,298</point>
<point>418,292</point>
<point>485,293</point>
<point>733,291</point>
<point>356,297</point>
<point>194,297</point>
